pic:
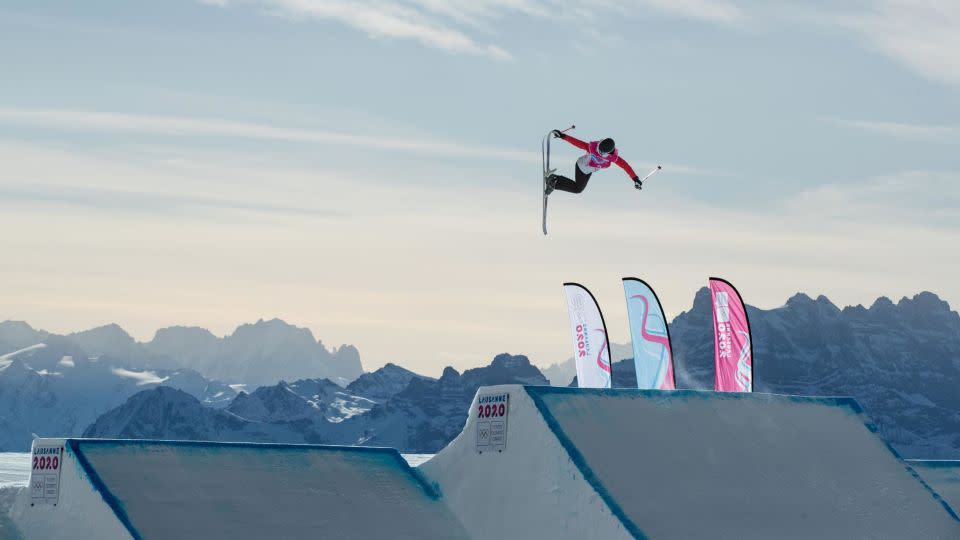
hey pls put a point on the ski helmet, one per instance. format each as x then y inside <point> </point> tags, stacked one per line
<point>606,146</point>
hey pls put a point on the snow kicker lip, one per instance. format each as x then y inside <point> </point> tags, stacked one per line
<point>147,490</point>
<point>577,463</point>
<point>628,463</point>
<point>542,395</point>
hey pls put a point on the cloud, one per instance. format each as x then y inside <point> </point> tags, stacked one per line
<point>77,263</point>
<point>177,126</point>
<point>146,202</point>
<point>705,10</point>
<point>389,19</point>
<point>445,24</point>
<point>143,378</point>
<point>917,197</point>
<point>921,132</point>
<point>920,34</point>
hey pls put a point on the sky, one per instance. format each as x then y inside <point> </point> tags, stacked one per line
<point>370,169</point>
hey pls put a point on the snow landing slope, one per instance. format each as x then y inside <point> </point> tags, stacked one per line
<point>543,463</point>
<point>943,476</point>
<point>585,463</point>
<point>160,490</point>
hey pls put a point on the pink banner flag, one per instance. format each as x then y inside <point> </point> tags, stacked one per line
<point>733,354</point>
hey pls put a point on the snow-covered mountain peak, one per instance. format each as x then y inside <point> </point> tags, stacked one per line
<point>142,378</point>
<point>17,335</point>
<point>383,383</point>
<point>275,403</point>
<point>10,356</point>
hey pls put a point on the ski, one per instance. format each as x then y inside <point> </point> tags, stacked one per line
<point>547,171</point>
<point>545,148</point>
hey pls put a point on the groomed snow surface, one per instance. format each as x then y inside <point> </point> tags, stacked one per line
<point>943,476</point>
<point>14,476</point>
<point>234,491</point>
<point>14,469</point>
<point>582,463</point>
<point>571,463</point>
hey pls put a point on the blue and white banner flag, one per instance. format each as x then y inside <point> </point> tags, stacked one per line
<point>652,353</point>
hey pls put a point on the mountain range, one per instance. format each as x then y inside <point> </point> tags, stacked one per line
<point>55,387</point>
<point>254,354</point>
<point>419,416</point>
<point>901,361</point>
<point>59,384</point>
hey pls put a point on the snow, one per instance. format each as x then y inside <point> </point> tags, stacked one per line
<point>530,490</point>
<point>143,378</point>
<point>415,460</point>
<point>584,463</point>
<point>66,361</point>
<point>79,511</point>
<point>7,359</point>
<point>915,399</point>
<point>10,356</point>
<point>14,469</point>
<point>8,496</point>
<point>349,406</point>
<point>943,476</point>
<point>235,491</point>
<point>14,477</point>
<point>578,463</point>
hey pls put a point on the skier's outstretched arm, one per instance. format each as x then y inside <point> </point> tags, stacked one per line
<point>622,163</point>
<point>572,140</point>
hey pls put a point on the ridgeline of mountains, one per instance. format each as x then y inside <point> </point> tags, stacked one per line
<point>254,355</point>
<point>900,361</point>
<point>59,385</point>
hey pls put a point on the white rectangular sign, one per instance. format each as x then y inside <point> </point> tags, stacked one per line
<point>47,461</point>
<point>492,411</point>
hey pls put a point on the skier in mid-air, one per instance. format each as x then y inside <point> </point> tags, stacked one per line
<point>600,155</point>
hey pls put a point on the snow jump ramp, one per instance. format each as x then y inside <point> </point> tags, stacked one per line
<point>152,490</point>
<point>581,463</point>
<point>941,475</point>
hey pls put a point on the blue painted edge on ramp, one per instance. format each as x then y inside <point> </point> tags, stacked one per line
<point>100,487</point>
<point>849,403</point>
<point>935,463</point>
<point>535,393</point>
<point>906,465</point>
<point>116,505</point>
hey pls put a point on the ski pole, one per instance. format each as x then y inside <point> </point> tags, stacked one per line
<point>653,172</point>
<point>547,136</point>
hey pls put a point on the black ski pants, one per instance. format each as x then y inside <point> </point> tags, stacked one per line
<point>572,186</point>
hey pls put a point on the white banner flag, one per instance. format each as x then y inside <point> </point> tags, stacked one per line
<point>591,349</point>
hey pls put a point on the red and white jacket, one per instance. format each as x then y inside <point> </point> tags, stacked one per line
<point>593,160</point>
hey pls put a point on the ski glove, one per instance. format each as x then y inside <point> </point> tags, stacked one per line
<point>637,183</point>
<point>557,133</point>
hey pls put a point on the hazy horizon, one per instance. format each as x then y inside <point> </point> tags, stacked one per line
<point>437,370</point>
<point>369,170</point>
